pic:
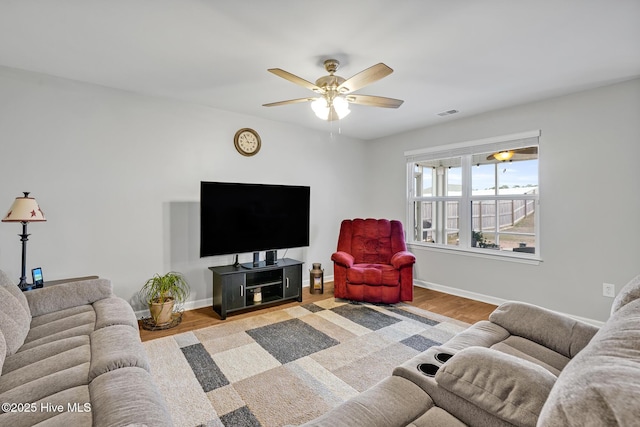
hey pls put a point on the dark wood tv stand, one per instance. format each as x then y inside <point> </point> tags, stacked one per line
<point>234,287</point>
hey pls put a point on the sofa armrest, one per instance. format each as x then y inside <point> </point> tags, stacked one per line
<point>553,330</point>
<point>127,397</point>
<point>505,386</point>
<point>66,295</point>
<point>394,401</point>
<point>343,258</point>
<point>630,292</point>
<point>402,259</point>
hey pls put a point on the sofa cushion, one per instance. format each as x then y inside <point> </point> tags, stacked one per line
<point>66,295</point>
<point>601,385</point>
<point>62,323</point>
<point>374,274</point>
<point>556,331</point>
<point>57,325</point>
<point>61,314</point>
<point>36,354</point>
<point>630,292</point>
<point>510,388</point>
<point>116,347</point>
<point>533,352</point>
<point>114,311</point>
<point>394,401</point>
<point>8,284</point>
<point>78,331</point>
<point>77,396</point>
<point>14,321</point>
<point>482,333</point>
<point>45,367</point>
<point>33,391</point>
<point>437,417</point>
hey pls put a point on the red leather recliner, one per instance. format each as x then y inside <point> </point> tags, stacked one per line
<point>372,263</point>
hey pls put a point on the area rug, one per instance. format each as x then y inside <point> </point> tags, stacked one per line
<point>289,366</point>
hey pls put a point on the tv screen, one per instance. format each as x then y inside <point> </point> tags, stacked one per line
<point>237,218</point>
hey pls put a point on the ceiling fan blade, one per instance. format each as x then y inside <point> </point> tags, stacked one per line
<point>526,150</point>
<point>290,101</point>
<point>295,79</point>
<point>364,78</point>
<point>374,101</point>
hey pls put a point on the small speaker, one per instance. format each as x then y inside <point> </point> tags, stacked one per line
<point>272,257</point>
<point>256,258</point>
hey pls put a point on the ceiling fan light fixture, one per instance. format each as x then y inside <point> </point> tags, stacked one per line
<point>330,110</point>
<point>503,156</point>
<point>320,108</point>
<point>341,106</point>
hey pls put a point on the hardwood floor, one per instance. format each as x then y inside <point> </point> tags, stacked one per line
<point>463,309</point>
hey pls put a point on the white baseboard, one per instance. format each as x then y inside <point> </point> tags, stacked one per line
<point>488,299</point>
<point>208,302</point>
<point>459,292</point>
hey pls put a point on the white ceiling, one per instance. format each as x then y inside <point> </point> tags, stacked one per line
<point>469,55</point>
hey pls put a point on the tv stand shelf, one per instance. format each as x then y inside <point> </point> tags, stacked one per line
<point>234,287</point>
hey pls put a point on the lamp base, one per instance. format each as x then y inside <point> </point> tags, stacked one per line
<point>29,286</point>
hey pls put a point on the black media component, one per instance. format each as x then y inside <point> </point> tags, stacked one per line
<point>239,218</point>
<point>272,257</point>
<point>234,288</point>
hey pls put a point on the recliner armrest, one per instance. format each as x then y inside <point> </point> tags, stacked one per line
<point>66,295</point>
<point>402,259</point>
<point>343,258</point>
<point>505,386</point>
<point>553,330</point>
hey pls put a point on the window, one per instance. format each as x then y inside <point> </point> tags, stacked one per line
<point>466,197</point>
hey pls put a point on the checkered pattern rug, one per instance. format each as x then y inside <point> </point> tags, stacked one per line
<point>289,366</point>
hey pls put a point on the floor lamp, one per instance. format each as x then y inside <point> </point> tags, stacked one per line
<point>24,210</point>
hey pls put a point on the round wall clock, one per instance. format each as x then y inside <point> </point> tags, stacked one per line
<point>247,142</point>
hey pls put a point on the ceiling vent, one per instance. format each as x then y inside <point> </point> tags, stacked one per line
<point>447,113</point>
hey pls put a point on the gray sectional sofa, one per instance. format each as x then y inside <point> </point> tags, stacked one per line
<point>70,355</point>
<point>525,366</point>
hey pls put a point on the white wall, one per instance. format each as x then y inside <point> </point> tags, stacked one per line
<point>590,199</point>
<point>118,177</point>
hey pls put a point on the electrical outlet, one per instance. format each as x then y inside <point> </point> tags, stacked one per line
<point>608,290</point>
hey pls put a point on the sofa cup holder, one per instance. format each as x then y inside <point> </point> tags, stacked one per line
<point>428,369</point>
<point>443,357</point>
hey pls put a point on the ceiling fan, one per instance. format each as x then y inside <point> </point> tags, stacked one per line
<point>516,154</point>
<point>336,92</point>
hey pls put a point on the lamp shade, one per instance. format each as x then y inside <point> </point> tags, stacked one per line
<point>24,209</point>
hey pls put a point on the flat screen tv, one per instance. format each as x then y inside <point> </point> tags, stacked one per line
<point>237,218</point>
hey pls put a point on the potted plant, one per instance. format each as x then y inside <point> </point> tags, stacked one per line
<point>477,239</point>
<point>162,293</point>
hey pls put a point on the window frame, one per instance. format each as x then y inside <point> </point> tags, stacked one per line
<point>465,151</point>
